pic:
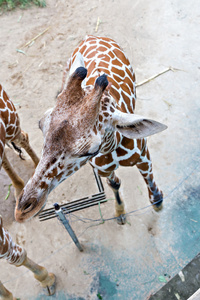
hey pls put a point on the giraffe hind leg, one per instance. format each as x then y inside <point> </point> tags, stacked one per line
<point>5,294</point>
<point>114,182</point>
<point>144,165</point>
<point>157,198</point>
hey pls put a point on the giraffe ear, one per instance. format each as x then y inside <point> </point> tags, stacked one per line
<point>135,126</point>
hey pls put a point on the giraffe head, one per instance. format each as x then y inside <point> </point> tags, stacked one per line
<point>74,132</point>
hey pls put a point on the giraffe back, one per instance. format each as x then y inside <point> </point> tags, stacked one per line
<point>104,55</point>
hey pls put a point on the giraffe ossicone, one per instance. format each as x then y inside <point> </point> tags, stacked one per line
<point>93,121</point>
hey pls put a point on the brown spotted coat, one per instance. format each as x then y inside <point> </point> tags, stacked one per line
<point>10,131</point>
<point>84,121</point>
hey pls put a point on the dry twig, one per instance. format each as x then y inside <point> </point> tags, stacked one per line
<point>97,26</point>
<point>37,36</point>
<point>155,76</point>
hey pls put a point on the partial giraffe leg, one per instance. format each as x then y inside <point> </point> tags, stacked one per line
<point>145,167</point>
<point>17,256</point>
<point>5,294</point>
<point>47,280</point>
<point>114,182</point>
<point>17,182</point>
<point>23,141</point>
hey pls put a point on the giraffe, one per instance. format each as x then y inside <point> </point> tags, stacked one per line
<point>17,256</point>
<point>10,131</point>
<point>93,120</point>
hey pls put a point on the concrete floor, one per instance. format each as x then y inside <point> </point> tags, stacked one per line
<point>134,261</point>
<point>126,274</point>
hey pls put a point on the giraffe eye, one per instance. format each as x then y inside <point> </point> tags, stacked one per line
<point>90,154</point>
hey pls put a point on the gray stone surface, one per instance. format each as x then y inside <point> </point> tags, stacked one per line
<point>183,285</point>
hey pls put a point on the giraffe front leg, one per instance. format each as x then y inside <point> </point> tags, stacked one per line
<point>114,182</point>
<point>16,255</point>
<point>145,167</point>
<point>5,294</point>
<point>47,280</point>
<point>17,182</point>
<point>23,141</point>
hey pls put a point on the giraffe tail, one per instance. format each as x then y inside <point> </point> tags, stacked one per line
<point>17,149</point>
<point>2,140</point>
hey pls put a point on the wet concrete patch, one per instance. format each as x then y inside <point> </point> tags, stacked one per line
<point>179,226</point>
<point>104,287</point>
<point>178,240</point>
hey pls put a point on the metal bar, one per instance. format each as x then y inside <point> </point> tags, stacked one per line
<point>73,205</point>
<point>69,203</point>
<point>86,204</point>
<point>98,180</point>
<point>76,202</point>
<point>51,216</point>
<point>65,222</point>
<point>79,204</point>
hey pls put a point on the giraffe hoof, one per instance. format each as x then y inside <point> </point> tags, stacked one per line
<point>121,220</point>
<point>50,290</point>
<point>158,207</point>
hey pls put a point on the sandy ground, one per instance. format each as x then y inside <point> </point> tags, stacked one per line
<point>155,35</point>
